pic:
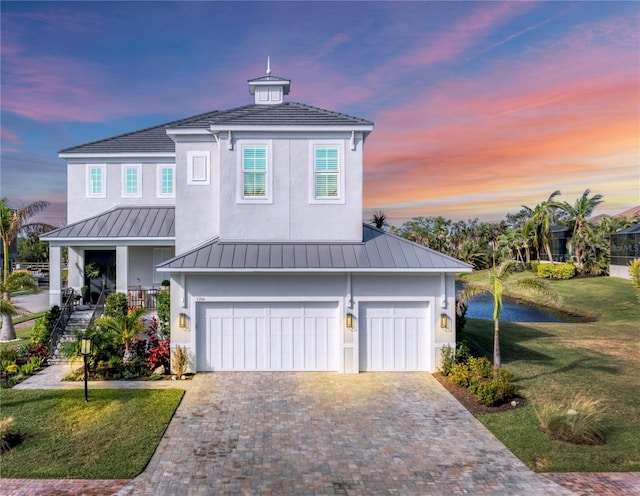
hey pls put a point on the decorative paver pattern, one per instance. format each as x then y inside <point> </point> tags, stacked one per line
<point>328,433</point>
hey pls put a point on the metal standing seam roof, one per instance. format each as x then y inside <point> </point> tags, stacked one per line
<point>121,222</point>
<point>156,140</point>
<point>379,251</point>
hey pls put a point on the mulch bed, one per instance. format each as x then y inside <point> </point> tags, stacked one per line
<point>469,401</point>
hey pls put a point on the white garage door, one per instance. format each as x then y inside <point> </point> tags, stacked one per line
<point>267,336</point>
<point>394,336</point>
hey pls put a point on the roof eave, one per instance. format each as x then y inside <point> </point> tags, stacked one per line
<point>342,270</point>
<point>295,128</point>
<point>106,155</point>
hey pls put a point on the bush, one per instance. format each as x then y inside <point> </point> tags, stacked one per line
<point>534,265</point>
<point>43,327</point>
<point>116,305</point>
<point>480,367</point>
<point>557,271</point>
<point>460,374</point>
<point>38,351</point>
<point>487,393</point>
<point>634,272</point>
<point>582,422</point>
<point>160,355</point>
<point>449,357</point>
<point>163,301</point>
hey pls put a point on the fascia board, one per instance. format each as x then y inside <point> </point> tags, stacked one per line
<point>109,241</point>
<point>292,128</point>
<point>316,270</point>
<point>195,130</point>
<point>117,155</point>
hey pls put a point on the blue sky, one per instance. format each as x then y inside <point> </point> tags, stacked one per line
<point>479,107</point>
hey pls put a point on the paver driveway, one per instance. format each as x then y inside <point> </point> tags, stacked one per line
<point>328,433</point>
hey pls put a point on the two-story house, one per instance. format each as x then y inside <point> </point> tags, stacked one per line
<point>254,214</point>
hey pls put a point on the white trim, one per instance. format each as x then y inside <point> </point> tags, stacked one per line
<point>316,270</point>
<point>189,131</point>
<point>159,192</point>
<point>340,199</point>
<point>124,169</point>
<point>110,241</point>
<point>103,169</point>
<point>249,127</point>
<point>240,198</point>
<point>201,177</point>
<point>117,155</point>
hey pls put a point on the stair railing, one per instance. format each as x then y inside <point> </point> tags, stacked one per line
<point>98,309</point>
<point>68,306</point>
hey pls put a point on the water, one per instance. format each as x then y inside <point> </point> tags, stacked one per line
<point>481,307</point>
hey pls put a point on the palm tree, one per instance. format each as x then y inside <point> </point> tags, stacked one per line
<point>17,280</point>
<point>12,223</point>
<point>127,327</point>
<point>500,284</point>
<point>582,230</point>
<point>540,223</point>
<point>379,219</point>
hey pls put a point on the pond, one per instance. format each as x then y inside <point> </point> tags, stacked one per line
<point>481,307</point>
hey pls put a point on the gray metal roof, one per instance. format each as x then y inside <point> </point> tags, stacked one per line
<point>635,229</point>
<point>379,251</point>
<point>156,140</point>
<point>121,222</point>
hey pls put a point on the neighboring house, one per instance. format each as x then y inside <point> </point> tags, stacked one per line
<point>274,269</point>
<point>560,237</point>
<point>625,247</point>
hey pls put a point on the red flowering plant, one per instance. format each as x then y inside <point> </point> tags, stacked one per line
<point>160,355</point>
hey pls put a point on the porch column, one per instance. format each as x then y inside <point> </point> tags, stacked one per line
<point>122,269</point>
<point>75,266</point>
<point>55,276</point>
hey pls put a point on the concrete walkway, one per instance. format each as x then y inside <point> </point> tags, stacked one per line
<point>321,433</point>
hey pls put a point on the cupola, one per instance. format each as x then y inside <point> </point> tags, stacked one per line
<point>269,90</point>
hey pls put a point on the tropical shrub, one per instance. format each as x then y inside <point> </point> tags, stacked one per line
<point>116,305</point>
<point>557,271</point>
<point>450,357</point>
<point>534,265</point>
<point>461,374</point>
<point>42,329</point>
<point>634,272</point>
<point>160,355</point>
<point>480,367</point>
<point>581,422</point>
<point>39,351</point>
<point>163,301</point>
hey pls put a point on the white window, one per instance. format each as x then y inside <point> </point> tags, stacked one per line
<point>96,181</point>
<point>327,183</point>
<point>131,181</point>
<point>166,180</point>
<point>198,168</point>
<point>255,181</point>
<point>160,255</point>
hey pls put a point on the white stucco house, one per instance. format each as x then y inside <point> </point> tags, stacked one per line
<point>255,216</point>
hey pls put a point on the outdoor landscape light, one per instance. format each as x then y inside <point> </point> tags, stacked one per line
<point>182,320</point>
<point>349,321</point>
<point>445,321</point>
<point>85,351</point>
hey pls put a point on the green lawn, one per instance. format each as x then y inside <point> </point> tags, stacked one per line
<point>111,437</point>
<point>553,362</point>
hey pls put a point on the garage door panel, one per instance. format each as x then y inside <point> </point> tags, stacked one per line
<point>393,336</point>
<point>268,336</point>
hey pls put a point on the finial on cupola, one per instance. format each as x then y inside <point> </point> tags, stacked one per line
<point>269,90</point>
<point>268,66</point>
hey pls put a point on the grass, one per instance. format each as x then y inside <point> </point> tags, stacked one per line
<point>113,436</point>
<point>553,362</point>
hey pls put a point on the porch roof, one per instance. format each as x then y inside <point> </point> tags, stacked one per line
<point>378,252</point>
<point>120,223</point>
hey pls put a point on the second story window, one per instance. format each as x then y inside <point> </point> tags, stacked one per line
<point>326,181</point>
<point>255,180</point>
<point>131,179</point>
<point>96,181</point>
<point>166,186</point>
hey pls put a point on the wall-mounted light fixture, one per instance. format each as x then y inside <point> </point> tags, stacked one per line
<point>445,321</point>
<point>182,320</point>
<point>348,322</point>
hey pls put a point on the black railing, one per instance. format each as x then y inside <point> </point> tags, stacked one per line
<point>68,306</point>
<point>143,298</point>
<point>98,309</point>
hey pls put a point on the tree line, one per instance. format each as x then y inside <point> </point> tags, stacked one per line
<point>524,236</point>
